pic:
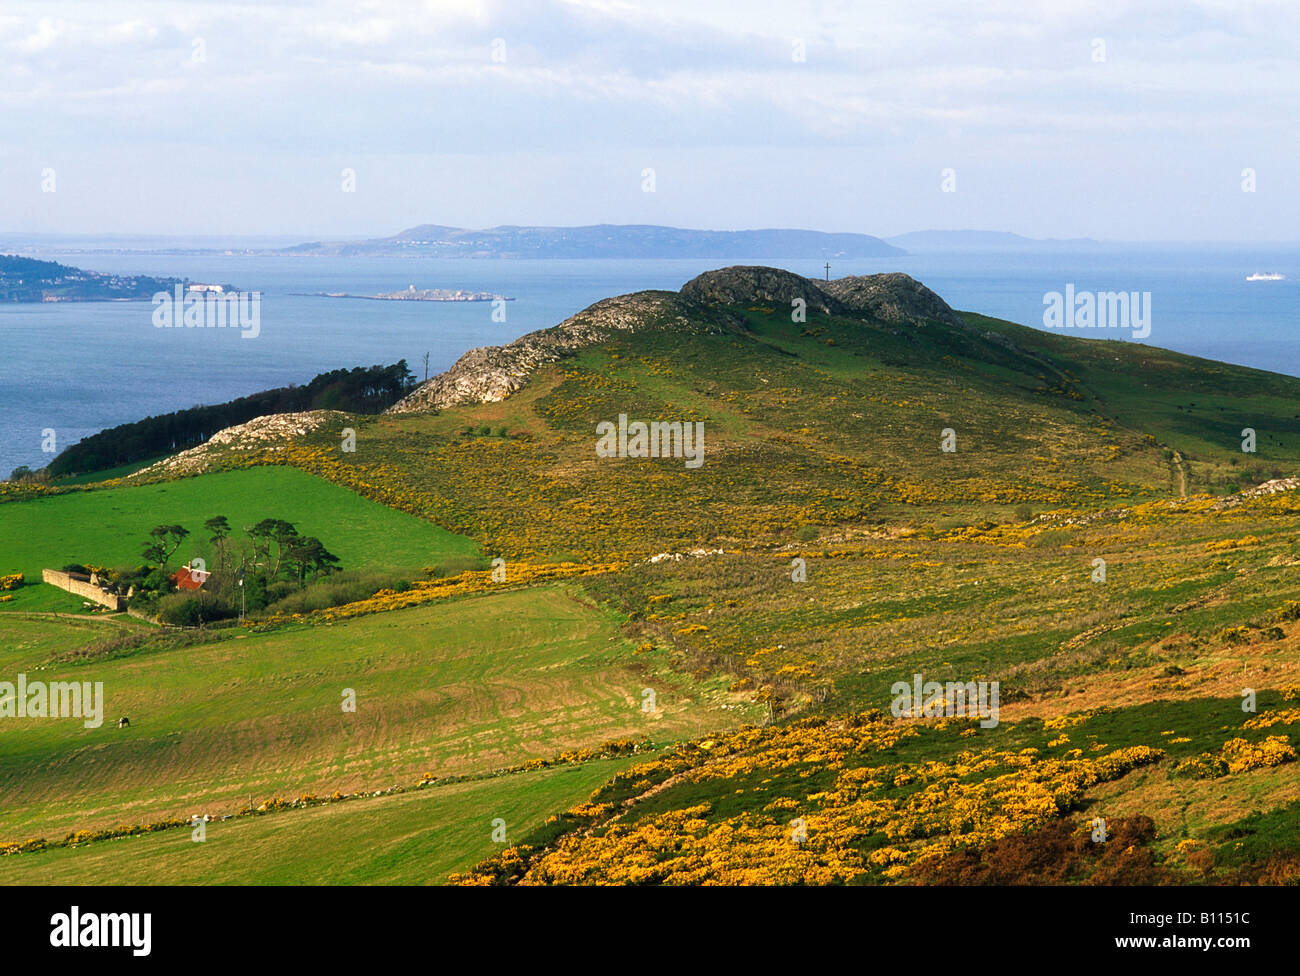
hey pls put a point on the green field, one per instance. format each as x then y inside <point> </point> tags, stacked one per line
<point>109,526</point>
<point>408,838</point>
<point>461,687</point>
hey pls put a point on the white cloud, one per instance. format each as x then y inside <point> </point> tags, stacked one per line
<point>42,37</point>
<point>911,82</point>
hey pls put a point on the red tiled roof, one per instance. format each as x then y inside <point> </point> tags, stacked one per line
<point>184,578</point>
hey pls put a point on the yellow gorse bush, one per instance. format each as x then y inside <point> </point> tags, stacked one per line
<point>1239,755</point>
<point>1286,716</point>
<point>863,821</point>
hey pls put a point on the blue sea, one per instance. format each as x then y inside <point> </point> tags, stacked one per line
<point>77,368</point>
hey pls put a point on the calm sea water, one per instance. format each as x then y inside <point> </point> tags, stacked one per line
<point>77,368</point>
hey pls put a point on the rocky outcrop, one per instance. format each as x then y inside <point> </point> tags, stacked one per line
<point>745,285</point>
<point>1259,491</point>
<point>271,431</point>
<point>491,373</point>
<point>486,374</point>
<point>895,298</point>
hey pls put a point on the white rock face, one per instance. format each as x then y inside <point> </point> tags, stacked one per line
<point>272,431</point>
<point>677,557</point>
<point>1267,488</point>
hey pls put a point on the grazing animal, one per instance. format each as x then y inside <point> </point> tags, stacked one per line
<point>123,722</point>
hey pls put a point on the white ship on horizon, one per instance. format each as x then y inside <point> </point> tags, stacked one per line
<point>1265,276</point>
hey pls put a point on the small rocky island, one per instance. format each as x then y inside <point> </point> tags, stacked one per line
<point>413,294</point>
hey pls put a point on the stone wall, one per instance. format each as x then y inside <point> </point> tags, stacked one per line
<point>83,587</point>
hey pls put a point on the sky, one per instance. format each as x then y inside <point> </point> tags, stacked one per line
<point>1117,120</point>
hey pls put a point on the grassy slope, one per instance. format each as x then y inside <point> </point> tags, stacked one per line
<point>462,687</point>
<point>27,640</point>
<point>411,838</point>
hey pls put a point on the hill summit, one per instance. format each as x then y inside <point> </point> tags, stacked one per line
<point>489,374</point>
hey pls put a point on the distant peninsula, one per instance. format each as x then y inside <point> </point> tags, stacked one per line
<point>30,280</point>
<point>606,241</point>
<point>413,294</point>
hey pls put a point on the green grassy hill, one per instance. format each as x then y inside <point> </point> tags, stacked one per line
<point>834,423</point>
<point>1088,546</point>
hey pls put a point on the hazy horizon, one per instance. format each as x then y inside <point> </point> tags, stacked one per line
<point>280,239</point>
<point>1113,121</point>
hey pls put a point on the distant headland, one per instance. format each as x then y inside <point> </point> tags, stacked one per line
<point>605,241</point>
<point>30,280</point>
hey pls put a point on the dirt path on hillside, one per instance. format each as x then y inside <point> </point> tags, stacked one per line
<point>1182,475</point>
